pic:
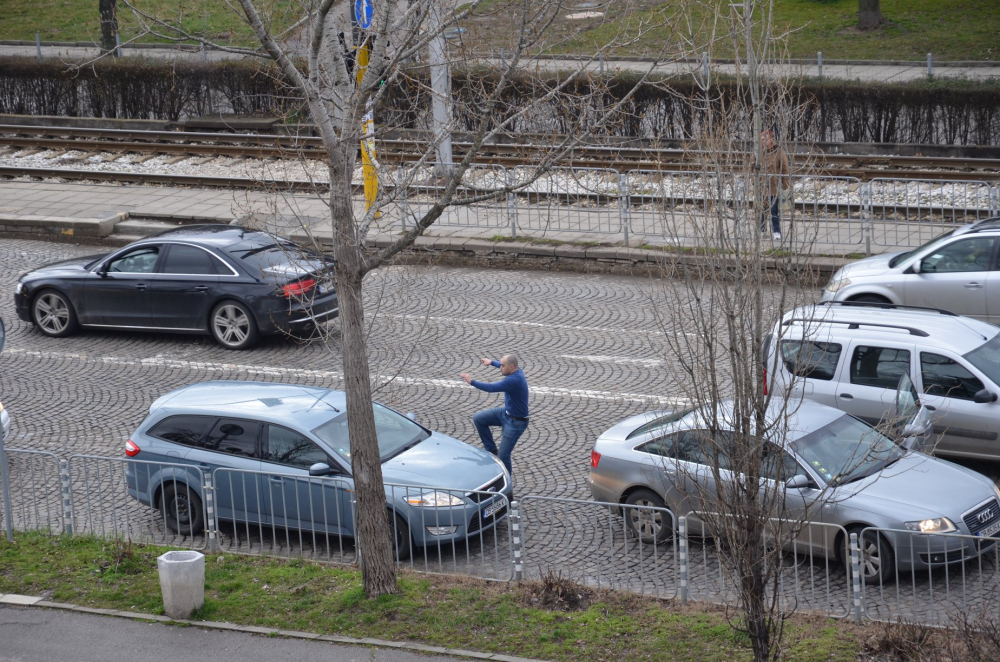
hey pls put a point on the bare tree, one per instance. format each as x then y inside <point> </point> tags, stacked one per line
<point>318,63</point>
<point>869,15</point>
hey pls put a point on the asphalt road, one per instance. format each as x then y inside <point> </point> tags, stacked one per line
<point>44,635</point>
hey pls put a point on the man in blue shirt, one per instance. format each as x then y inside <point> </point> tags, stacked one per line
<point>512,418</point>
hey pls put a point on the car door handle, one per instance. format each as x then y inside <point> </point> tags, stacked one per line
<point>140,286</point>
<point>277,479</point>
<point>973,286</point>
<point>846,396</point>
<point>930,408</point>
<point>201,288</point>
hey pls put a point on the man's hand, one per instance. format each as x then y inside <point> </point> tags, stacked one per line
<point>486,361</point>
<point>467,377</point>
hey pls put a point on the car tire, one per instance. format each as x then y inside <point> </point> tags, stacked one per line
<point>402,544</point>
<point>53,314</point>
<point>648,526</point>
<point>233,326</point>
<point>181,510</point>
<point>877,561</point>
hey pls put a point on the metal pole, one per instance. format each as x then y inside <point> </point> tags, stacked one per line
<point>683,540</point>
<point>5,480</point>
<point>704,65</point>
<point>204,53</point>
<point>600,62</point>
<point>118,45</point>
<point>515,527</point>
<point>441,88</point>
<point>67,496</point>
<point>930,67</point>
<point>819,61</point>
<point>209,491</point>
<point>38,44</point>
<point>856,577</point>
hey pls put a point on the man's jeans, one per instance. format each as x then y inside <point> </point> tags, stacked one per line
<point>511,431</point>
<point>775,218</point>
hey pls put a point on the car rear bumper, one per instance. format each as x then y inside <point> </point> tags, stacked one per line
<point>282,315</point>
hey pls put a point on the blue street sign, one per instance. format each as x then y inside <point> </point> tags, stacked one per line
<point>364,11</point>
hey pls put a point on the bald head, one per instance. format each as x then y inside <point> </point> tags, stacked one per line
<point>508,364</point>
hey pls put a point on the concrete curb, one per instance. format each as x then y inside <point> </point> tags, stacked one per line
<point>62,226</point>
<point>33,601</point>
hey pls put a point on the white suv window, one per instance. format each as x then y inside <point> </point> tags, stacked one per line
<point>973,254</point>
<point>815,360</point>
<point>879,366</point>
<point>946,377</point>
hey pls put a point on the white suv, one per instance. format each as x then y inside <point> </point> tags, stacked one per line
<point>957,271</point>
<point>852,356</point>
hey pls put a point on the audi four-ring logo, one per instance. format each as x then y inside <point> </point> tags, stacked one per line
<point>985,516</point>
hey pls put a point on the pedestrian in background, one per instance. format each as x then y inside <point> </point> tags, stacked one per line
<point>512,417</point>
<point>776,171</point>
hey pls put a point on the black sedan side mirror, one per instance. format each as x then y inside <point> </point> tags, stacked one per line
<point>984,396</point>
<point>320,469</point>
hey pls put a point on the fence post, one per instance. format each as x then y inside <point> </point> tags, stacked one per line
<point>67,496</point>
<point>511,205</point>
<point>209,491</point>
<point>623,204</point>
<point>5,488</point>
<point>867,214</point>
<point>819,62</point>
<point>994,200</point>
<point>683,541</point>
<point>856,577</point>
<point>38,44</point>
<point>515,527</point>
<point>118,45</point>
<point>930,67</point>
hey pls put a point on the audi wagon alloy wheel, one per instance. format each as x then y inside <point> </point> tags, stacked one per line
<point>53,314</point>
<point>876,560</point>
<point>650,526</point>
<point>233,326</point>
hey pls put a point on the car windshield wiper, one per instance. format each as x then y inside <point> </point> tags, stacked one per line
<point>405,447</point>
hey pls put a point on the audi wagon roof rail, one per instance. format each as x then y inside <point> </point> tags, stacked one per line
<point>879,304</point>
<point>857,325</point>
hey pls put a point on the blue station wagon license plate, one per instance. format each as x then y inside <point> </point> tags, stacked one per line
<point>493,508</point>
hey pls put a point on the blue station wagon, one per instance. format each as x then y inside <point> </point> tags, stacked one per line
<point>280,459</point>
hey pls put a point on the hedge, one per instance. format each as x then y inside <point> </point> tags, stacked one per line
<point>941,111</point>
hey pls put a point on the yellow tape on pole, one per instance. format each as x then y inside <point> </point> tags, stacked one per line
<point>369,164</point>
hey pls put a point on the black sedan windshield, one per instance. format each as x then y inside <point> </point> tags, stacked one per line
<point>395,433</point>
<point>846,450</point>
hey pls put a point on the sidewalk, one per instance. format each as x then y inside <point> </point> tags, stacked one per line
<point>33,630</point>
<point>878,71</point>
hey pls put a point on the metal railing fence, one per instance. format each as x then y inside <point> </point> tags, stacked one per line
<point>935,577</point>
<point>673,206</point>
<point>944,574</point>
<point>589,542</point>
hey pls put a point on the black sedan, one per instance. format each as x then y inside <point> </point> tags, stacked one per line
<point>230,282</point>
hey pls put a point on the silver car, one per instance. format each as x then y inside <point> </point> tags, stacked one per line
<point>957,271</point>
<point>654,460</point>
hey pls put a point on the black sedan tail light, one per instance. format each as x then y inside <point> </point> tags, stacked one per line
<point>299,287</point>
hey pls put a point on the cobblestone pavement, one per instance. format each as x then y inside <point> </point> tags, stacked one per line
<point>592,346</point>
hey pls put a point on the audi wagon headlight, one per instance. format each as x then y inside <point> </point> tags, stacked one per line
<point>837,285</point>
<point>936,525</point>
<point>434,500</point>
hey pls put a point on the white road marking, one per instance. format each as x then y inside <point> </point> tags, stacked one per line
<point>337,376</point>
<point>650,363</point>
<point>539,325</point>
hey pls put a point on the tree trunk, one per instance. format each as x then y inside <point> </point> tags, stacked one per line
<point>109,25</point>
<point>869,15</point>
<point>378,569</point>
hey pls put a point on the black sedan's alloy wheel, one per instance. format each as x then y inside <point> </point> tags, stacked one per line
<point>53,314</point>
<point>232,325</point>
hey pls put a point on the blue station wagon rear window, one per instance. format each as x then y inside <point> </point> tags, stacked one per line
<point>185,430</point>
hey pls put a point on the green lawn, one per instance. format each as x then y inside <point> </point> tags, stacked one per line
<point>950,29</point>
<point>524,620</point>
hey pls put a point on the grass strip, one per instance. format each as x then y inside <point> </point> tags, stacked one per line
<point>553,620</point>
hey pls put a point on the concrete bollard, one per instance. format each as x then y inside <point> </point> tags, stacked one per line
<point>182,582</point>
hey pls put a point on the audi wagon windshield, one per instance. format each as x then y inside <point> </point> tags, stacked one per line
<point>395,433</point>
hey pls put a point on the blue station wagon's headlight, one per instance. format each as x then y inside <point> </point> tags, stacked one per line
<point>434,500</point>
<point>936,525</point>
